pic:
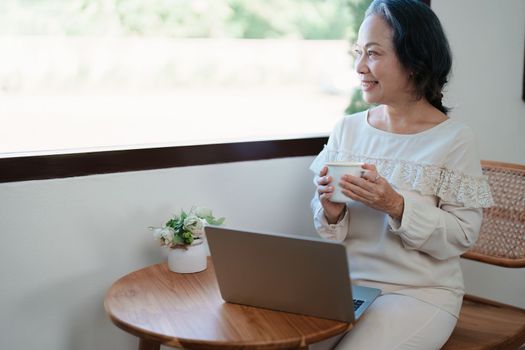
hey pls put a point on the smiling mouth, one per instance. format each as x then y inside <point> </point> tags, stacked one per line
<point>368,84</point>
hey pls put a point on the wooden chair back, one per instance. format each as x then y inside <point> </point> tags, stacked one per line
<point>485,324</point>
<point>501,238</point>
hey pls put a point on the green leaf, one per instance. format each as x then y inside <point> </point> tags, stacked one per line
<point>212,221</point>
<point>172,223</point>
<point>186,237</point>
<point>178,239</point>
<point>179,226</point>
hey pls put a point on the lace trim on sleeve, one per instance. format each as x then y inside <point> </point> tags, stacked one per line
<point>447,184</point>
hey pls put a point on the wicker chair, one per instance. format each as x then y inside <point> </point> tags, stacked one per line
<point>484,324</point>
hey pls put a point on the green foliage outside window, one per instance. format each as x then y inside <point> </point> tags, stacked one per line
<point>244,19</point>
<point>357,9</point>
<point>248,19</point>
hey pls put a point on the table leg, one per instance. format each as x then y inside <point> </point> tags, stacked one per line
<point>146,344</point>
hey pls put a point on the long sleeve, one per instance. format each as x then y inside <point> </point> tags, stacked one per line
<point>336,232</point>
<point>443,232</point>
<point>443,228</point>
<point>452,227</point>
<point>339,231</point>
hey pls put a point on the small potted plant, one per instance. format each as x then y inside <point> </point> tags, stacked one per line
<point>183,234</point>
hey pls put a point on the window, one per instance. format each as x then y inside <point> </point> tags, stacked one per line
<point>85,75</point>
<point>101,86</point>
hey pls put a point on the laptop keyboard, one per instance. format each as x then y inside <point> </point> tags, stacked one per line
<point>358,303</point>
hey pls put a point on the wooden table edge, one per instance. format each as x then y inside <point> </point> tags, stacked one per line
<point>190,343</point>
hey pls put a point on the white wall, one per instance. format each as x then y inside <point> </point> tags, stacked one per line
<point>63,242</point>
<point>487,40</point>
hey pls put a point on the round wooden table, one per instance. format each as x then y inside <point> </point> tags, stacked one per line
<point>187,311</point>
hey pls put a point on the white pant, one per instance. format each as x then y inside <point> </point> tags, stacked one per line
<point>395,321</point>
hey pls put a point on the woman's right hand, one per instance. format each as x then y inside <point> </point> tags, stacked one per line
<point>332,210</point>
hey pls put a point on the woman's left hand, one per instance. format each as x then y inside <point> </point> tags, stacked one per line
<point>373,191</point>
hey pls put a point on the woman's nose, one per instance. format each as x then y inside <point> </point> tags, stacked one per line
<point>360,64</point>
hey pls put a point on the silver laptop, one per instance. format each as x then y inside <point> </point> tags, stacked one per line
<point>295,274</point>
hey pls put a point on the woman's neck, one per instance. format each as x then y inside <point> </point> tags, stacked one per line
<point>407,118</point>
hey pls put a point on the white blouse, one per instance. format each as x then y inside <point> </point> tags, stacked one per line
<point>438,173</point>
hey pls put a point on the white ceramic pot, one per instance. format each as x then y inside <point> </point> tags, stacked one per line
<point>192,259</point>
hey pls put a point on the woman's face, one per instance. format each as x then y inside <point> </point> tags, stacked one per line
<point>383,79</point>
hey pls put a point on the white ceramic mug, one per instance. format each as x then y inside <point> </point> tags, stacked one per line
<point>336,170</point>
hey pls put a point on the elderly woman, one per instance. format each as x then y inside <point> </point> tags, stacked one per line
<point>418,206</point>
